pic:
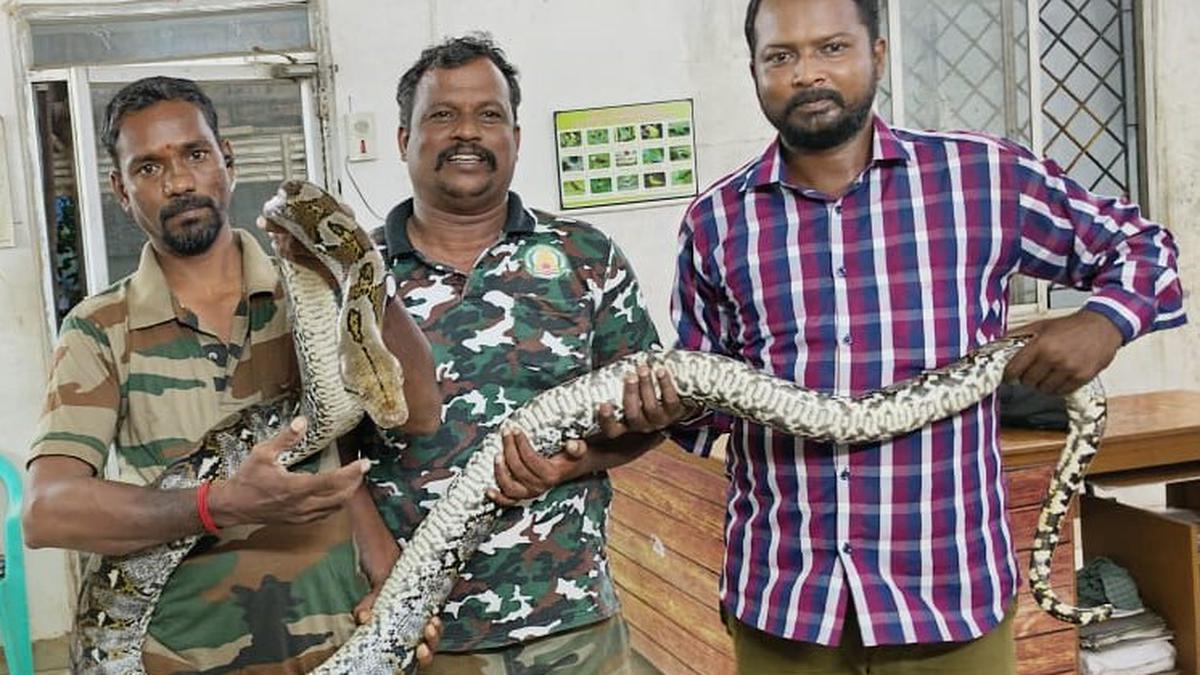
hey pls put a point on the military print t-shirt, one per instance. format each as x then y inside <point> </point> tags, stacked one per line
<point>134,370</point>
<point>551,300</point>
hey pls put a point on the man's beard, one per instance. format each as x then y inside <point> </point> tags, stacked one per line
<point>849,122</point>
<point>196,235</point>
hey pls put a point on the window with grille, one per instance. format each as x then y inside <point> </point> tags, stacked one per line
<point>965,64</point>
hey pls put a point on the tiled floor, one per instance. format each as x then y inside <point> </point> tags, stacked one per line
<point>52,671</point>
<point>49,657</point>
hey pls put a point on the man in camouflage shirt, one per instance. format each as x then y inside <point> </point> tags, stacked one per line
<point>199,331</point>
<point>513,302</point>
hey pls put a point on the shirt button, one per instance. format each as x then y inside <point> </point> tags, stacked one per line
<point>847,549</point>
<point>841,272</point>
<point>847,340</point>
<point>837,208</point>
<point>845,474</point>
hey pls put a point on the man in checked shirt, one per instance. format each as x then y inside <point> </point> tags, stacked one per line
<point>850,255</point>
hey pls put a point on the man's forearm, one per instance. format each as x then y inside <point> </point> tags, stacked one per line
<point>85,513</point>
<point>376,545</point>
<point>605,454</point>
<point>405,340</point>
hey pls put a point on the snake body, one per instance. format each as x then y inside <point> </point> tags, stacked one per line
<point>461,520</point>
<point>456,525</point>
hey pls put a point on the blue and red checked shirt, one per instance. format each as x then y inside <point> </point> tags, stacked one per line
<point>908,270</point>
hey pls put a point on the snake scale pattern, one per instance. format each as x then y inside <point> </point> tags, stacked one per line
<point>121,592</point>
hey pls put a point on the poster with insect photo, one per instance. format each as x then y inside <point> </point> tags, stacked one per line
<point>625,154</point>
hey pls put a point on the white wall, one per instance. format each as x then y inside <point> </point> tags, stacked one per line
<point>1176,161</point>
<point>573,54</point>
<point>570,55</point>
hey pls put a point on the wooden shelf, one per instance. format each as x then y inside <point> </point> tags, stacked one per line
<point>1158,547</point>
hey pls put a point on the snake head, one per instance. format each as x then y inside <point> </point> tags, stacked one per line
<point>323,233</point>
<point>279,208</point>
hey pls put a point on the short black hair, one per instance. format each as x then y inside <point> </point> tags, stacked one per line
<point>868,13</point>
<point>453,53</point>
<point>146,92</point>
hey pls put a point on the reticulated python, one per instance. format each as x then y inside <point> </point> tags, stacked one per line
<point>119,595</point>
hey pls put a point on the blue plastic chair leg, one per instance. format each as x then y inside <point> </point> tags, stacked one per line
<point>14,606</point>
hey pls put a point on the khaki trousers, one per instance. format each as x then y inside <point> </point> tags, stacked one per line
<point>760,653</point>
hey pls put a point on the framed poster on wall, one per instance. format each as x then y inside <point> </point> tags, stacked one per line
<point>625,154</point>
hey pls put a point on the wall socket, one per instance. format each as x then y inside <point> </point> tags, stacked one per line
<point>360,137</point>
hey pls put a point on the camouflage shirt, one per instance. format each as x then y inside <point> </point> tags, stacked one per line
<point>551,300</point>
<point>134,370</point>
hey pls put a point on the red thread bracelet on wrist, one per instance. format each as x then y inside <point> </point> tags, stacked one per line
<point>206,518</point>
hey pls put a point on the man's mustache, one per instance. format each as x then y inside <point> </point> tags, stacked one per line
<point>812,96</point>
<point>185,203</point>
<point>445,155</point>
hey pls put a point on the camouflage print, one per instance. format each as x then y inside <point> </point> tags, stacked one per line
<point>134,370</point>
<point>597,649</point>
<point>551,300</point>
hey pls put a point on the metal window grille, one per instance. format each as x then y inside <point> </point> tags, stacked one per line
<point>962,67</point>
<point>883,95</point>
<point>965,64</point>
<point>1089,111</point>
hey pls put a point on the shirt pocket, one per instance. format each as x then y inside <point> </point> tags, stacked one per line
<point>553,332</point>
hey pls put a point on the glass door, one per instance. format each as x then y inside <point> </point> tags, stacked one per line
<point>270,122</point>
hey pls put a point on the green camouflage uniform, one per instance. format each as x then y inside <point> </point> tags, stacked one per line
<point>134,370</point>
<point>551,300</point>
<point>596,649</point>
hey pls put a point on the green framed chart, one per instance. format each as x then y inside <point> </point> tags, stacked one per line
<point>625,154</point>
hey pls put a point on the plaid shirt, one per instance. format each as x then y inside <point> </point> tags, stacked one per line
<point>907,271</point>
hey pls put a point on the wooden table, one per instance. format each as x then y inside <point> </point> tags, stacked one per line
<point>1146,434</point>
<point>668,512</point>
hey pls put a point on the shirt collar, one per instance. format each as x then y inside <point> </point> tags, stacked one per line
<point>887,147</point>
<point>768,168</point>
<point>151,301</point>
<point>517,219</point>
